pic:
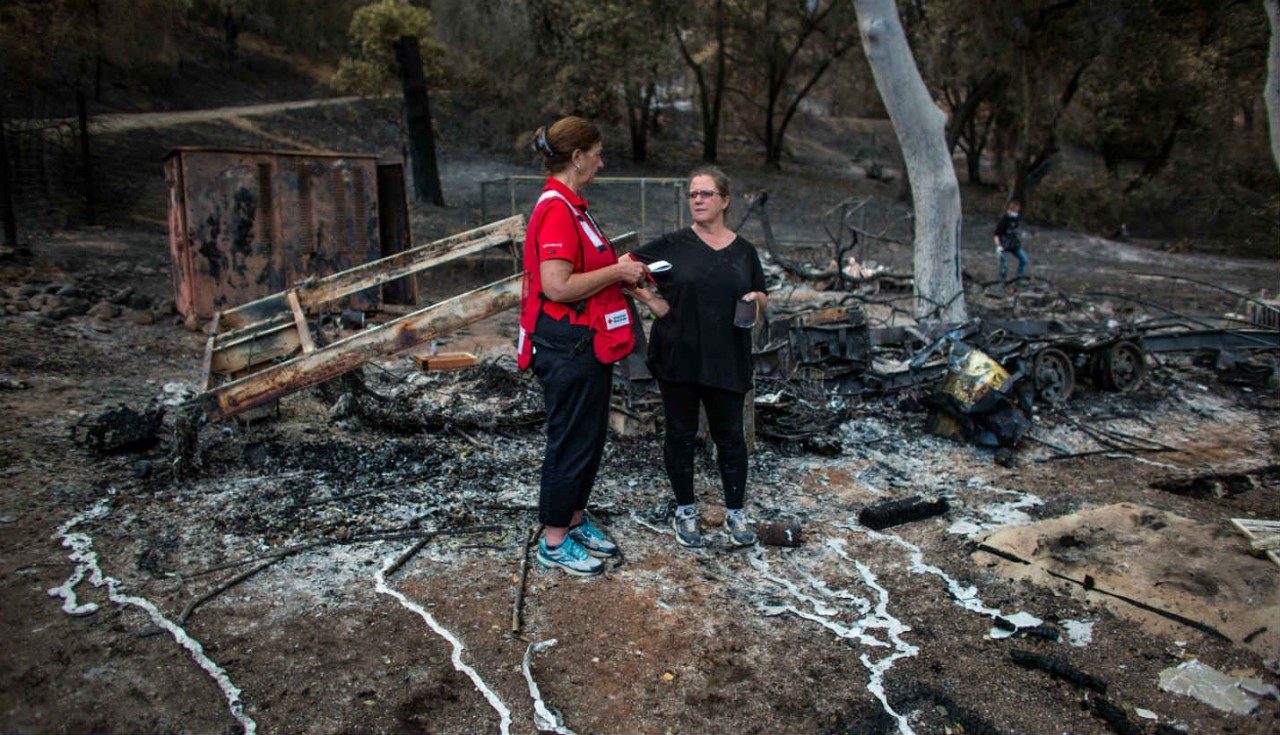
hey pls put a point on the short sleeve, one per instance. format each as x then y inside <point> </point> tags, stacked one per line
<point>651,251</point>
<point>558,235</point>
<point>757,272</point>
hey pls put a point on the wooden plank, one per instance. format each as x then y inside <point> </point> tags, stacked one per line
<point>247,315</point>
<point>398,335</point>
<point>300,321</point>
<point>231,337</point>
<point>390,268</point>
<point>206,363</point>
<point>313,293</point>
<point>1255,530</point>
<point>442,361</point>
<point>280,342</point>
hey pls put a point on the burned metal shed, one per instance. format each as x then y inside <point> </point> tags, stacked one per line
<point>244,224</point>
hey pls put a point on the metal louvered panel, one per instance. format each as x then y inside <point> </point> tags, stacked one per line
<point>266,207</point>
<point>341,221</point>
<point>306,216</point>
<point>360,211</point>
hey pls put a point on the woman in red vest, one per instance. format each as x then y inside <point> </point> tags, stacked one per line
<point>574,324</point>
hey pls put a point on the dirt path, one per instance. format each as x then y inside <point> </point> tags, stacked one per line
<point>119,122</point>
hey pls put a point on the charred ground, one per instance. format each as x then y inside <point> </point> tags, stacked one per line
<point>668,641</point>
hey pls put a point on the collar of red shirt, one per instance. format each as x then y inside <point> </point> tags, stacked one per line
<point>556,185</point>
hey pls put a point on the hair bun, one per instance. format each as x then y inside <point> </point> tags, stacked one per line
<point>541,144</point>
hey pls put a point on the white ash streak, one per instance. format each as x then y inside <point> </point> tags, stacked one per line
<point>998,515</point>
<point>964,596</point>
<point>863,605</point>
<point>78,542</point>
<point>1144,460</point>
<point>86,560</point>
<point>544,719</point>
<point>871,617</point>
<point>642,522</point>
<point>821,612</point>
<point>895,628</point>
<point>494,701</point>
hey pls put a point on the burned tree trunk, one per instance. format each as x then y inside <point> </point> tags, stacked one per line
<point>86,158</point>
<point>417,105</point>
<point>710,93</point>
<point>1272,93</point>
<point>6,193</point>
<point>640,116</point>
<point>921,129</point>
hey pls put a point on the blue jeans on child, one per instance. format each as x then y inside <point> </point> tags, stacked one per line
<point>1022,261</point>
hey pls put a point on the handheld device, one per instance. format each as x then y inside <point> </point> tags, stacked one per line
<point>659,266</point>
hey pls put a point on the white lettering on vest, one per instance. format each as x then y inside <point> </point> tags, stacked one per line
<point>615,319</point>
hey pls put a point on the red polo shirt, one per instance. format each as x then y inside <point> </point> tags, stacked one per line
<point>558,234</point>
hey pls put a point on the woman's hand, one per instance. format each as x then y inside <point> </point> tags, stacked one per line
<point>630,272</point>
<point>760,297</point>
<point>649,297</point>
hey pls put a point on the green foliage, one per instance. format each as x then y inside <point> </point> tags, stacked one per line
<point>1175,67</point>
<point>373,32</point>
<point>598,47</point>
<point>780,50</point>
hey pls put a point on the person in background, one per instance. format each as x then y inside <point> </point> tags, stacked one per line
<point>574,324</point>
<point>1007,239</point>
<point>697,353</point>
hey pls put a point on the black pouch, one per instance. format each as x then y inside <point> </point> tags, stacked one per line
<point>561,335</point>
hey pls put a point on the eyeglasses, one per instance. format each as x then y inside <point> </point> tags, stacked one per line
<point>703,194</point>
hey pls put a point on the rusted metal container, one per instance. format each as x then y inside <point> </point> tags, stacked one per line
<point>244,224</point>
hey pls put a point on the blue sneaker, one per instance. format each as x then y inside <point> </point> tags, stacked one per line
<point>593,539</point>
<point>569,556</point>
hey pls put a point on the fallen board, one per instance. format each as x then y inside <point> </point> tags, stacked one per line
<point>442,361</point>
<point>1168,573</point>
<point>1263,536</point>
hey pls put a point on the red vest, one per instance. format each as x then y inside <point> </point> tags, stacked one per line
<point>606,313</point>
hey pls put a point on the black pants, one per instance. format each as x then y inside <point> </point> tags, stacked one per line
<point>576,387</point>
<point>724,415</point>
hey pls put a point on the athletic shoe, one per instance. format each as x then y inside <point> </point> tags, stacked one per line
<point>569,556</point>
<point>686,528</point>
<point>591,538</point>
<point>739,530</point>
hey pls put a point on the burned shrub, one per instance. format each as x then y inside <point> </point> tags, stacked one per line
<point>119,429</point>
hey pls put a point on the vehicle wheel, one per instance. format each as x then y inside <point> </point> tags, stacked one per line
<point>1123,366</point>
<point>1055,378</point>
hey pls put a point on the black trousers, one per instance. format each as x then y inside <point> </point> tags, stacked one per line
<point>576,388</point>
<point>724,415</point>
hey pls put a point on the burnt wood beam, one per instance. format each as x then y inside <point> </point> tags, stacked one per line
<point>313,368</point>
<point>313,292</point>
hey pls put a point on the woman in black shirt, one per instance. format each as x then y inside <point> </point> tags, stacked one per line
<point>696,352</point>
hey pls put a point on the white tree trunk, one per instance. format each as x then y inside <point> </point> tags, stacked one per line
<point>1271,92</point>
<point>921,129</point>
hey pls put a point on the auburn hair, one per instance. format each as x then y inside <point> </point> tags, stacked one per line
<point>557,142</point>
